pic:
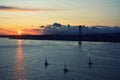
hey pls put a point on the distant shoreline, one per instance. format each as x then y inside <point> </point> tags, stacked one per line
<point>93,37</point>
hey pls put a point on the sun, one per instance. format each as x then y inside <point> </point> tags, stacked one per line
<point>19,32</point>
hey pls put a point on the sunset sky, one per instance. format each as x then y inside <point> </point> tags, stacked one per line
<point>23,14</point>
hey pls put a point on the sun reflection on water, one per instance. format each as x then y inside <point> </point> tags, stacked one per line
<point>19,67</point>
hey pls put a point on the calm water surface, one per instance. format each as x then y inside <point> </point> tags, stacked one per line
<point>24,60</point>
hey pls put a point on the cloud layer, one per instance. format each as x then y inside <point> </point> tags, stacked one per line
<point>6,32</point>
<point>9,8</point>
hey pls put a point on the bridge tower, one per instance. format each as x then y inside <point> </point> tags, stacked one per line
<point>80,35</point>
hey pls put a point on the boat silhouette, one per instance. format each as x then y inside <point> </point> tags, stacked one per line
<point>90,61</point>
<point>65,68</point>
<point>46,62</point>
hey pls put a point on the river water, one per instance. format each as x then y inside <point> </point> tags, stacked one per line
<point>24,60</point>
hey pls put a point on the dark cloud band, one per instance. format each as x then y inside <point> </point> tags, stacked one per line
<point>8,8</point>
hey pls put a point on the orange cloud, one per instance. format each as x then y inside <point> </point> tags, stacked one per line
<point>6,32</point>
<point>24,31</point>
<point>33,31</point>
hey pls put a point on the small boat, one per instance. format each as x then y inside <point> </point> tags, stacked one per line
<point>90,62</point>
<point>46,62</point>
<point>65,69</point>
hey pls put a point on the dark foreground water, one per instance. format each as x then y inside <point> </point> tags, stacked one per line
<point>24,60</point>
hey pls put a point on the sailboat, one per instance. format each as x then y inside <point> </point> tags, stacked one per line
<point>90,62</point>
<point>46,62</point>
<point>65,69</point>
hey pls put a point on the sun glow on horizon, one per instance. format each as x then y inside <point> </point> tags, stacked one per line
<point>19,32</point>
<point>24,17</point>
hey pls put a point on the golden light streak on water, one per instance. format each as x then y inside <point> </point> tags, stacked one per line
<point>19,67</point>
